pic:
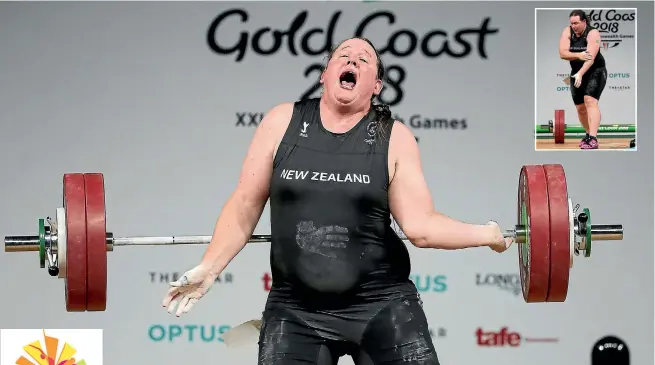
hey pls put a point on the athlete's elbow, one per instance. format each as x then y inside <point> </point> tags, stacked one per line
<point>414,235</point>
<point>418,235</point>
<point>566,55</point>
<point>424,241</point>
<point>420,230</point>
<point>419,241</point>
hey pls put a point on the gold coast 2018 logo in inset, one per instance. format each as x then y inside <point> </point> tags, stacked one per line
<point>615,26</point>
<point>51,347</point>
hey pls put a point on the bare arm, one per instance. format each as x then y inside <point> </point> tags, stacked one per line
<point>242,211</point>
<point>593,45</point>
<point>564,44</point>
<point>411,203</point>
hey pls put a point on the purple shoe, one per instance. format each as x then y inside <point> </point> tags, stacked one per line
<point>590,144</point>
<point>583,141</point>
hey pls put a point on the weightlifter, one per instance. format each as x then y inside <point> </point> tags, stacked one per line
<point>336,168</point>
<point>580,45</point>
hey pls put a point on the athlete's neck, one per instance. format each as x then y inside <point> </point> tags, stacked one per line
<point>582,31</point>
<point>339,119</point>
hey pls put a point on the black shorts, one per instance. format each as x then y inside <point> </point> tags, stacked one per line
<point>389,332</point>
<point>593,83</point>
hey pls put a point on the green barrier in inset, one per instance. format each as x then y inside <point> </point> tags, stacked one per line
<point>607,128</point>
<point>543,136</point>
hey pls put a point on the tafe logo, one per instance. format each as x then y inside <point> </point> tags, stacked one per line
<point>505,338</point>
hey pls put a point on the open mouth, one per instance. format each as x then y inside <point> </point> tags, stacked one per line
<point>348,80</point>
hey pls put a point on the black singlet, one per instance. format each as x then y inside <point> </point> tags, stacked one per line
<point>340,273</point>
<point>332,243</point>
<point>579,44</point>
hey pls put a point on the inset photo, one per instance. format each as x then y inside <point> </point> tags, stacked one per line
<point>586,79</point>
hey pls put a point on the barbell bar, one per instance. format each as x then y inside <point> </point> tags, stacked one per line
<point>603,232</point>
<point>548,232</point>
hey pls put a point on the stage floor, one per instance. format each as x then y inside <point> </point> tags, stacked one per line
<point>572,144</point>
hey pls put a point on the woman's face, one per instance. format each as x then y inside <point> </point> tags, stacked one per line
<point>351,73</point>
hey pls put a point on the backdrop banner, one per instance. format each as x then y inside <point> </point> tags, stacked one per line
<point>164,98</point>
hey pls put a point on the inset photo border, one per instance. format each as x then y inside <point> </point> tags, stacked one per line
<point>585,91</point>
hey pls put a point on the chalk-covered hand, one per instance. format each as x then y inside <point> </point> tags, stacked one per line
<point>188,289</point>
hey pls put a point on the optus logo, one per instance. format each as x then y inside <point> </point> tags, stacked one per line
<point>187,333</point>
<point>619,75</point>
<point>429,283</point>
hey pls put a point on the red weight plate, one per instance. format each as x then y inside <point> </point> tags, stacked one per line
<point>560,248</point>
<point>96,242</point>
<point>534,253</point>
<point>559,126</point>
<point>75,206</point>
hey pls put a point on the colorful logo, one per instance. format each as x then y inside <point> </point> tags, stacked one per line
<point>49,356</point>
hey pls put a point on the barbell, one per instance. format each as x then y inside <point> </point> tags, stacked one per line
<point>548,233</point>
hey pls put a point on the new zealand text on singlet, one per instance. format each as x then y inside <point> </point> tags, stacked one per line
<point>325,176</point>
